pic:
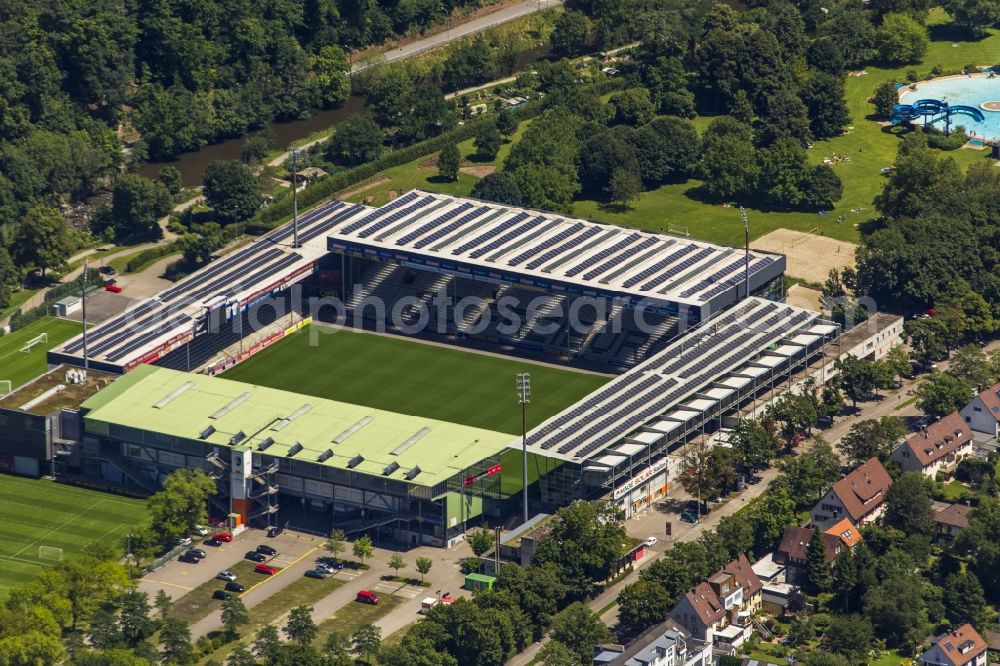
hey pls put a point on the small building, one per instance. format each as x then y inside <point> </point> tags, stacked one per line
<point>776,597</point>
<point>519,544</point>
<point>793,552</point>
<point>666,644</point>
<point>958,647</point>
<point>67,306</point>
<point>859,496</point>
<point>950,521</point>
<point>938,447</point>
<point>719,610</point>
<point>769,570</point>
<point>478,582</point>
<point>982,414</point>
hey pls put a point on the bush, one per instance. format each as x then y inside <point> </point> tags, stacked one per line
<point>146,257</point>
<point>912,76</point>
<point>938,140</point>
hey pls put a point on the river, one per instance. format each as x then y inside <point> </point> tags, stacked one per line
<point>192,165</point>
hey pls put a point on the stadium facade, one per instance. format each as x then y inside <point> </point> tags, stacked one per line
<point>694,351</point>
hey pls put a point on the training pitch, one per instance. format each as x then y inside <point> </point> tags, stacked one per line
<point>414,378</point>
<point>44,513</point>
<point>20,367</point>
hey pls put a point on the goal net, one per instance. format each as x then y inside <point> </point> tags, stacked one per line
<point>50,553</point>
<point>6,386</point>
<point>44,337</point>
<point>678,229</point>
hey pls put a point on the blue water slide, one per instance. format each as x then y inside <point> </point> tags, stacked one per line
<point>972,111</point>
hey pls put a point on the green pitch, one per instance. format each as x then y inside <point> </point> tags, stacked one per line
<point>44,513</point>
<point>20,367</point>
<point>414,378</point>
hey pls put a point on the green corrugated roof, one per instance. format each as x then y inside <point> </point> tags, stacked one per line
<point>440,449</point>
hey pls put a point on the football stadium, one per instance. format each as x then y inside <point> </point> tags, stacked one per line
<point>356,369</point>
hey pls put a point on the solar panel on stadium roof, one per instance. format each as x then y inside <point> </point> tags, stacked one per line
<point>447,229</point>
<point>602,254</point>
<point>114,325</point>
<point>398,215</point>
<point>629,265</point>
<point>580,250</point>
<point>611,263</point>
<point>565,247</point>
<point>536,228</point>
<point>492,233</point>
<point>375,214</point>
<point>658,266</point>
<point>684,265</point>
<point>547,243</point>
<point>424,228</point>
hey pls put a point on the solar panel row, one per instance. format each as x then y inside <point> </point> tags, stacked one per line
<point>599,256</point>
<point>675,270</point>
<point>447,229</point>
<point>546,244</point>
<point>492,233</point>
<point>612,262</point>
<point>379,212</point>
<point>397,215</point>
<point>726,284</point>
<point>565,247</point>
<point>424,228</point>
<point>658,266</point>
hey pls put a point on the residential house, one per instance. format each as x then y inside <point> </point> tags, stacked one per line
<point>793,551</point>
<point>950,520</point>
<point>937,448</point>
<point>959,647</point>
<point>859,496</point>
<point>666,644</point>
<point>719,610</point>
<point>983,413</point>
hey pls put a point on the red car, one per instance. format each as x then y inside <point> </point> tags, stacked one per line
<point>265,569</point>
<point>223,536</point>
<point>113,288</point>
<point>367,597</point>
<point>216,522</point>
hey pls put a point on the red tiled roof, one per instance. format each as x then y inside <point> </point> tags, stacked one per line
<point>954,514</point>
<point>864,489</point>
<point>991,398</point>
<point>939,439</point>
<point>960,645</point>
<point>845,532</point>
<point>741,570</point>
<point>795,542</point>
<point>706,604</point>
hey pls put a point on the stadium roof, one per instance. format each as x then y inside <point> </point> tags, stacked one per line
<point>168,319</point>
<point>588,256</point>
<point>688,377</point>
<point>185,405</point>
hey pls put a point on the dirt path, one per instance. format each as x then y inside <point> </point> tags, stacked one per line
<point>343,196</point>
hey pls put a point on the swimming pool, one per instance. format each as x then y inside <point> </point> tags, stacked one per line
<point>970,91</point>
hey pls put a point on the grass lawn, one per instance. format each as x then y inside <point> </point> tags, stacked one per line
<point>198,603</point>
<point>20,367</point>
<point>869,147</point>
<point>953,490</point>
<point>43,513</point>
<point>303,592</point>
<point>352,615</point>
<point>414,378</point>
<point>17,299</point>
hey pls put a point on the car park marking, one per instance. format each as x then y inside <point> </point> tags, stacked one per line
<point>163,582</point>
<point>282,570</point>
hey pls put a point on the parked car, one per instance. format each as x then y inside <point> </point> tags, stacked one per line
<point>226,575</point>
<point>197,552</point>
<point>221,594</point>
<point>201,530</point>
<point>214,543</point>
<point>189,559</point>
<point>650,541</point>
<point>254,556</point>
<point>317,573</point>
<point>215,521</point>
<point>330,567</point>
<point>107,270</point>
<point>235,587</point>
<point>265,569</point>
<point>223,536</point>
<point>689,517</point>
<point>184,541</point>
<point>266,550</point>
<point>113,288</point>
<point>274,531</point>
<point>692,506</point>
<point>367,597</point>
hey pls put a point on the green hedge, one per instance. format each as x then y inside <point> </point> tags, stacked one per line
<point>146,257</point>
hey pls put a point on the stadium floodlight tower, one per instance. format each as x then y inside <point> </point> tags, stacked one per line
<point>746,260</point>
<point>523,383</point>
<point>295,199</point>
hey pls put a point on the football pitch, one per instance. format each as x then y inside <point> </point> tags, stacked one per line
<point>20,367</point>
<point>414,378</point>
<point>44,513</point>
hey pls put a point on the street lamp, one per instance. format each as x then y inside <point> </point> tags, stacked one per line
<point>523,384</point>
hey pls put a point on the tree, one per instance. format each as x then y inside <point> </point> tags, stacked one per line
<point>488,141</point>
<point>396,562</point>
<point>782,168</point>
<point>241,656</point>
<point>885,98</point>
<point>449,161</point>
<point>356,141</point>
<point>872,439</point>
<point>795,415</point>
<point>857,377</point>
<point>908,505</point>
<point>231,190</point>
<point>850,636</point>
<point>632,107</point>
<point>367,640</point>
<point>809,475</point>
<point>338,649</point>
<point>42,239</point>
<point>753,444</point>
<point>901,39</point>
<point>783,116</point>
<point>897,610</point>
<point>137,204</point>
<point>571,34</point>
<point>423,565</point>
<point>255,147</point>
<point>171,179</point>
<point>180,505</point>
<point>267,643</point>
<point>497,187</point>
<point>330,70</point>
<point>940,394</point>
<point>163,603</point>
<point>625,187</point>
<point>971,365</point>
<point>480,541</point>
<point>133,618</point>
<point>974,15</point>
<point>586,543</point>
<point>818,576</point>
<point>580,630</point>
<point>600,156</point>
<point>823,96</point>
<point>363,548</point>
<point>506,123</point>
<point>666,150</point>
<point>641,605</point>
<point>699,476</point>
<point>335,543</point>
<point>234,615</point>
<point>555,653</point>
<point>176,639</point>
<point>822,188</point>
<point>544,162</point>
<point>964,601</point>
<point>300,626</point>
<point>728,164</point>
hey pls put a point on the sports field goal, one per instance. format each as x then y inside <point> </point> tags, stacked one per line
<point>41,337</point>
<point>50,553</point>
<point>678,229</point>
<point>6,386</point>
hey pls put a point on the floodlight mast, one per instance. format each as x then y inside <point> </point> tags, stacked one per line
<point>83,305</point>
<point>746,260</point>
<point>295,200</point>
<point>523,384</point>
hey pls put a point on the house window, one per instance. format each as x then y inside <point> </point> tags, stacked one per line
<point>975,409</point>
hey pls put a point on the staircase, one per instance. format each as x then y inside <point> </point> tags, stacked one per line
<point>369,284</point>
